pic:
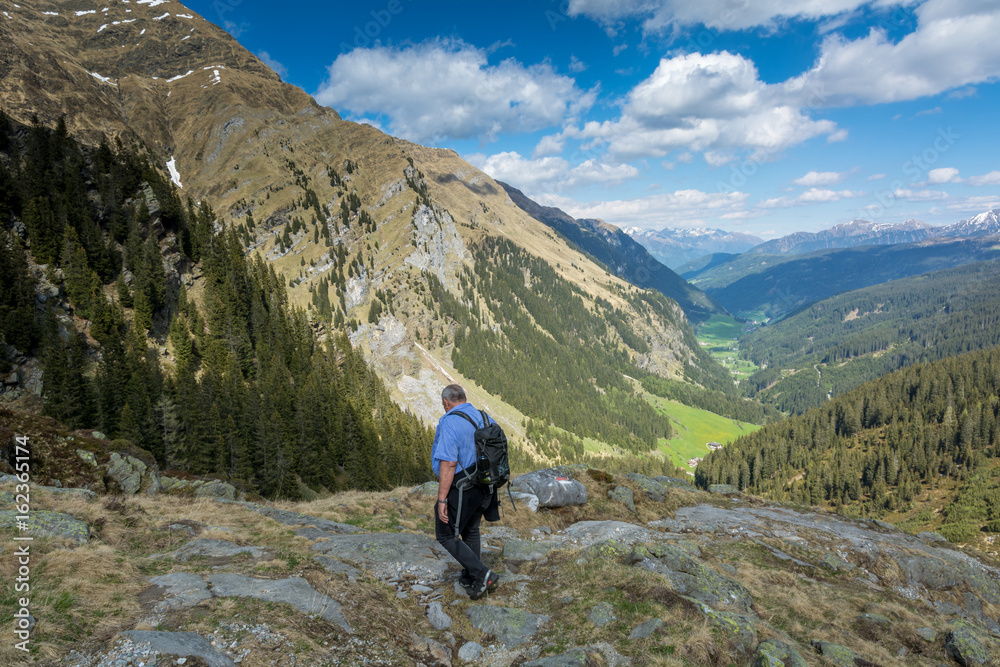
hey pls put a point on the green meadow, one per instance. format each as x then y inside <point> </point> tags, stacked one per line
<point>694,428</point>
<point>719,335</point>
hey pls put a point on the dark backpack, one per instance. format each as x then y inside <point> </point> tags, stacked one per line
<point>492,468</point>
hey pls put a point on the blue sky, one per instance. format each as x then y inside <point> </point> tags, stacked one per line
<point>761,116</point>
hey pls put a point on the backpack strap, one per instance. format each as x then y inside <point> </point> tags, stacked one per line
<point>464,416</point>
<point>485,417</point>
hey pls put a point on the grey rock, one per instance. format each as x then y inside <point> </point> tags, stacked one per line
<point>650,488</point>
<point>737,630</point>
<point>874,619</point>
<point>470,651</point>
<point>131,475</point>
<point>688,576</point>
<point>295,518</point>
<point>437,651</point>
<point>646,629</point>
<point>181,644</point>
<point>601,614</point>
<point>87,456</point>
<point>674,482</point>
<point>932,536</point>
<point>47,523</point>
<point>552,487</point>
<point>927,634</point>
<point>417,588</point>
<point>85,494</point>
<point>388,555</point>
<point>334,566</point>
<point>774,653</point>
<point>198,488</point>
<point>427,490</point>
<point>836,563</point>
<point>439,620</point>
<point>586,533</point>
<point>183,590</point>
<point>835,654</point>
<point>963,646</point>
<point>576,657</point>
<point>182,528</point>
<point>511,627</point>
<point>623,495</point>
<point>294,591</point>
<point>528,500</point>
<point>722,488</point>
<point>521,551</point>
<point>207,548</point>
<point>781,555</point>
<point>97,435</point>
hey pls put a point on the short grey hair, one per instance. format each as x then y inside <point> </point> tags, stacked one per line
<point>453,393</point>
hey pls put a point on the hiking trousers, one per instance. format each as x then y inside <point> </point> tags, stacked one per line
<point>466,550</point>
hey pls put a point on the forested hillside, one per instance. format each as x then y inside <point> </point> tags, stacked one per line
<point>922,439</point>
<point>843,341</point>
<point>772,286</point>
<point>231,383</point>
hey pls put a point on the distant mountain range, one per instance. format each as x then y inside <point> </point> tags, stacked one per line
<point>620,254</point>
<point>674,247</point>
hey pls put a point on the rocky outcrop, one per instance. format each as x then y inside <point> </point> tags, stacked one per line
<point>46,523</point>
<point>511,627</point>
<point>198,488</point>
<point>293,591</point>
<point>182,645</point>
<point>389,555</point>
<point>689,576</point>
<point>130,476</point>
<point>552,488</point>
<point>213,549</point>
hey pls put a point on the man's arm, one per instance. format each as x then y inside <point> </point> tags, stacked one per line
<point>447,474</point>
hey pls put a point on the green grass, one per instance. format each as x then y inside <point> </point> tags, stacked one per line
<point>693,428</point>
<point>719,335</point>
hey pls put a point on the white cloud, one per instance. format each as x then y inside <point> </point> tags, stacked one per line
<point>447,88</point>
<point>680,208</point>
<point>552,144</point>
<point>550,174</point>
<point>814,178</point>
<point>992,178</point>
<point>919,195</point>
<point>811,196</point>
<point>953,46</point>
<point>877,177</point>
<point>928,112</point>
<point>717,15</point>
<point>266,58</point>
<point>968,205</point>
<point>576,65</point>
<point>714,103</point>
<point>943,175</point>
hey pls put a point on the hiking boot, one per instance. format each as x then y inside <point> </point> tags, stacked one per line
<point>466,581</point>
<point>484,585</point>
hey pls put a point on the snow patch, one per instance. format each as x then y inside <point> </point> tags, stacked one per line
<point>51,13</point>
<point>102,27</point>
<point>143,32</point>
<point>175,176</point>
<point>105,79</point>
<point>85,12</point>
<point>216,79</point>
<point>183,38</point>
<point>6,14</point>
<point>152,3</point>
<point>185,16</point>
<point>179,76</point>
<point>160,18</point>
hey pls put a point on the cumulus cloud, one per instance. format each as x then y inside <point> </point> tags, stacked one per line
<point>714,103</point>
<point>719,15</point>
<point>943,175</point>
<point>550,174</point>
<point>953,46</point>
<point>814,178</point>
<point>992,178</point>
<point>811,196</point>
<point>682,208</point>
<point>447,89</point>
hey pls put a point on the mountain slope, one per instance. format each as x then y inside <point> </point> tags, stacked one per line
<point>920,446</point>
<point>771,286</point>
<point>675,247</point>
<point>841,342</point>
<point>847,235</point>
<point>622,255</point>
<point>360,226</point>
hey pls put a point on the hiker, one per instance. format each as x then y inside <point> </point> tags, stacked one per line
<point>453,457</point>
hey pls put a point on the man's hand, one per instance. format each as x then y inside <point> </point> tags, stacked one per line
<point>442,509</point>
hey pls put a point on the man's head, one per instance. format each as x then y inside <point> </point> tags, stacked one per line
<point>451,396</point>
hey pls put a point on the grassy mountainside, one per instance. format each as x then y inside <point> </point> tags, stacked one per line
<point>841,342</point>
<point>771,286</point>
<point>919,446</point>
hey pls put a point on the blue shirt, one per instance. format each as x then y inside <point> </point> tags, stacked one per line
<point>454,439</point>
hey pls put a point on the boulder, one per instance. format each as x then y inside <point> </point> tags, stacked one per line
<point>198,488</point>
<point>724,489</point>
<point>836,563</point>
<point>425,490</point>
<point>552,488</point>
<point>963,646</point>
<point>601,614</point>
<point>521,551</point>
<point>182,645</point>
<point>470,651</point>
<point>623,495</point>
<point>129,475</point>
<point>294,591</point>
<point>774,653</point>
<point>47,523</point>
<point>650,488</point>
<point>607,550</point>
<point>511,627</point>
<point>927,634</point>
<point>437,652</point>
<point>528,500</point>
<point>644,630</point>
<point>674,482</point>
<point>439,620</point>
<point>737,630</point>
<point>835,654</point>
<point>688,576</point>
<point>390,555</point>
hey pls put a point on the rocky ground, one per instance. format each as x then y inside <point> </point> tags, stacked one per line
<point>596,570</point>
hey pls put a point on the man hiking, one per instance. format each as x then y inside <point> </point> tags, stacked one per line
<point>453,457</point>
